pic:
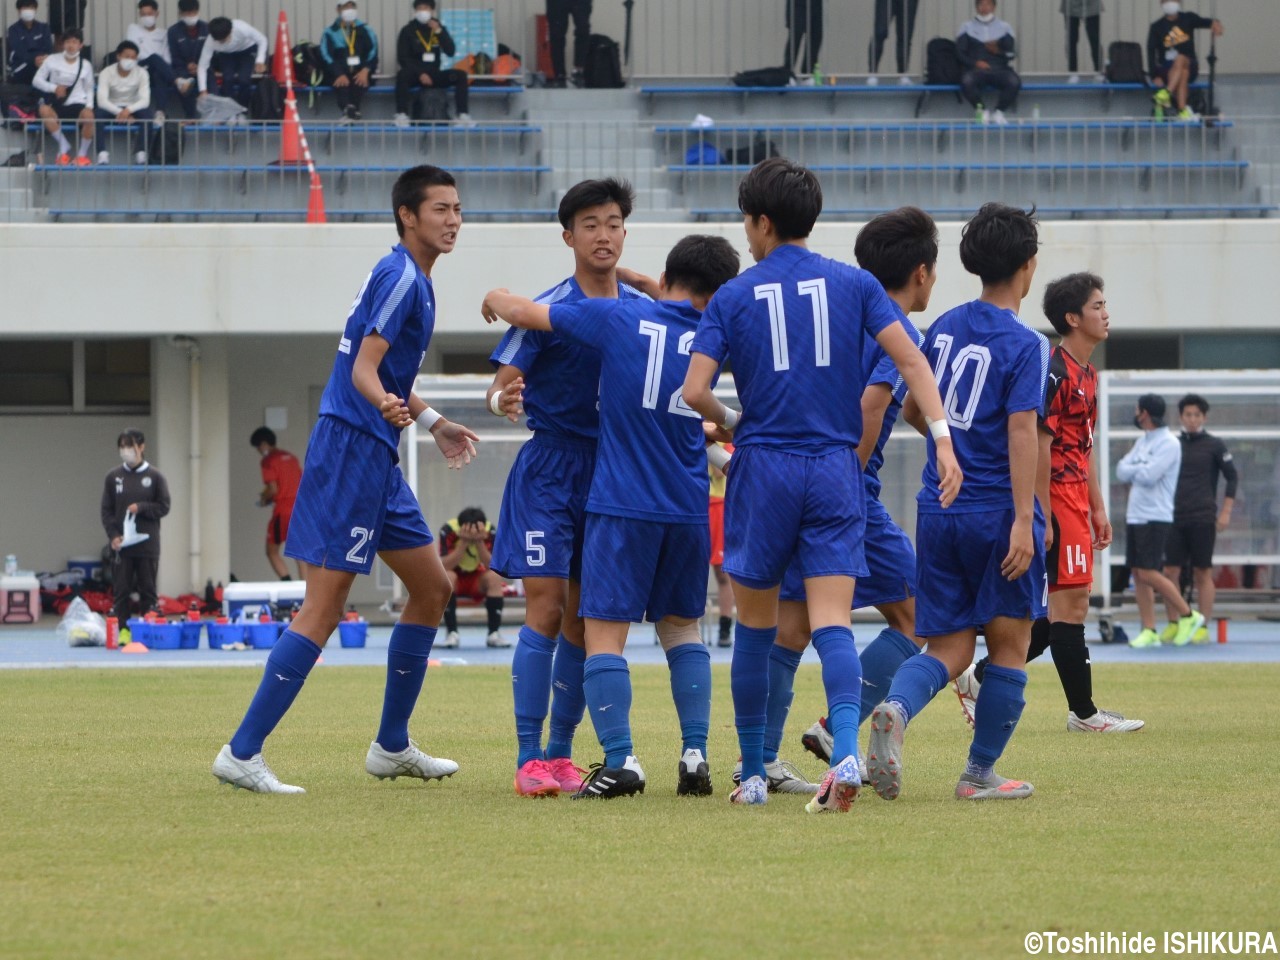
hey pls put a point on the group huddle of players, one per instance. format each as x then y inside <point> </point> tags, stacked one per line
<point>604,515</point>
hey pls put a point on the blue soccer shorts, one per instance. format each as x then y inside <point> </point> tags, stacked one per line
<point>544,509</point>
<point>958,572</point>
<point>353,502</point>
<point>642,569</point>
<point>780,506</point>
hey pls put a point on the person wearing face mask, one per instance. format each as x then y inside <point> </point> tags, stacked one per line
<point>422,45</point>
<point>986,47</point>
<point>66,81</point>
<point>124,97</point>
<point>186,40</point>
<point>281,475</point>
<point>1171,52</point>
<point>134,489</point>
<point>1151,469</point>
<point>152,42</point>
<point>349,49</point>
<point>27,43</point>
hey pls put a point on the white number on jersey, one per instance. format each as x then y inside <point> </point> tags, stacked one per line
<point>657,335</point>
<point>535,553</point>
<point>972,355</point>
<point>816,290</point>
<point>358,553</point>
<point>1077,559</point>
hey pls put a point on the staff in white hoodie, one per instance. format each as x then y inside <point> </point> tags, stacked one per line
<point>1151,469</point>
<point>66,81</point>
<point>124,97</point>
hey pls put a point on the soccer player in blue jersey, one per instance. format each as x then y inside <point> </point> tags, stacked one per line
<point>540,528</point>
<point>648,539</point>
<point>354,501</point>
<point>795,329</point>
<point>982,563</point>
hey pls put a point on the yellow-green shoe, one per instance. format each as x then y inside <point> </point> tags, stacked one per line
<point>1201,635</point>
<point>1169,632</point>
<point>1147,638</point>
<point>1188,625</point>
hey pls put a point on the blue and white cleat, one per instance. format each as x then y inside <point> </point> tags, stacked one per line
<point>753,792</point>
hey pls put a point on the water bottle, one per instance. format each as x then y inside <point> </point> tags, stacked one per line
<point>10,565</point>
<point>817,75</point>
<point>1035,113</point>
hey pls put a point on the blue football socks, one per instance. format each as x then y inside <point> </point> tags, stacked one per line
<point>290,661</point>
<point>407,655</point>
<point>782,679</point>
<point>917,682</point>
<point>996,714</point>
<point>567,699</point>
<point>531,691</point>
<point>880,661</point>
<point>842,681</point>
<point>690,665</point>
<point>606,681</point>
<point>749,680</point>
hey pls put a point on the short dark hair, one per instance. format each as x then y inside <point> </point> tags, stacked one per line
<point>220,28</point>
<point>784,191</point>
<point>263,435</point>
<point>998,241</point>
<point>471,515</point>
<point>1068,294</point>
<point>153,4</point>
<point>411,189</point>
<point>188,6</point>
<point>595,193</point>
<point>891,246</point>
<point>130,437</point>
<point>423,3</point>
<point>124,45</point>
<point>74,33</point>
<point>23,4</point>
<point>1194,400</point>
<point>1153,403</point>
<point>701,264</point>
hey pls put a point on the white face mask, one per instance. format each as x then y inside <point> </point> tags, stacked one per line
<point>190,21</point>
<point>71,57</point>
<point>348,16</point>
<point>423,16</point>
<point>1171,7</point>
<point>130,456</point>
<point>147,21</point>
<point>126,64</point>
<point>26,14</point>
<point>985,17</point>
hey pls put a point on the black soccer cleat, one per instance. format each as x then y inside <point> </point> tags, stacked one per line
<point>605,783</point>
<point>695,776</point>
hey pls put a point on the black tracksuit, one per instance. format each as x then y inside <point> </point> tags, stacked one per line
<point>1204,458</point>
<point>418,51</point>
<point>135,567</point>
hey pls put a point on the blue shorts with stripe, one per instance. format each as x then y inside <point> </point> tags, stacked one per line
<point>638,569</point>
<point>782,506</point>
<point>544,509</point>
<point>891,564</point>
<point>958,572</point>
<point>353,502</point>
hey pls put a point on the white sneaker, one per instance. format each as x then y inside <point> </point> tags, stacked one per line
<point>401,120</point>
<point>905,81</point>
<point>497,641</point>
<point>999,119</point>
<point>465,120</point>
<point>1104,721</point>
<point>104,157</point>
<point>140,157</point>
<point>1099,78</point>
<point>450,641</point>
<point>252,774</point>
<point>409,762</point>
<point>873,81</point>
<point>1074,78</point>
<point>966,687</point>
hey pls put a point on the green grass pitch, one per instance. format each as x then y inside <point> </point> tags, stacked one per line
<point>116,842</point>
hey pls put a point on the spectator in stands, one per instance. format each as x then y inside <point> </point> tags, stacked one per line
<point>281,476</point>
<point>241,50</point>
<point>559,13</point>
<point>186,41</point>
<point>466,543</point>
<point>804,20</point>
<point>1197,520</point>
<point>986,47</point>
<point>137,490</point>
<point>66,81</point>
<point>124,96</point>
<point>1090,12</point>
<point>28,43</point>
<point>152,42</point>
<point>904,12</point>
<point>422,43</point>
<point>1171,52</point>
<point>350,52</point>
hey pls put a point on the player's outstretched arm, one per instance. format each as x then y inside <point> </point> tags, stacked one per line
<point>502,304</point>
<point>645,284</point>
<point>698,394</point>
<point>918,375</point>
<point>1023,464</point>
<point>875,401</point>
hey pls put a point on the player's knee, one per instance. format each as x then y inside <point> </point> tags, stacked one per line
<point>675,634</point>
<point>900,617</point>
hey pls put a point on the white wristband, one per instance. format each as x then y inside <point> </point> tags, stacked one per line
<point>495,403</point>
<point>428,418</point>
<point>938,428</point>
<point>731,418</point>
<point>718,456</point>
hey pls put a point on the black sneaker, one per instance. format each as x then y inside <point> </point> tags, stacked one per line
<point>695,776</point>
<point>605,783</point>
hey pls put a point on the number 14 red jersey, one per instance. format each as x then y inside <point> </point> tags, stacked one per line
<point>1071,412</point>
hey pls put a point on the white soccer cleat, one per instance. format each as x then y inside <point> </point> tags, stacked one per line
<point>838,790</point>
<point>497,641</point>
<point>1104,721</point>
<point>966,687</point>
<point>409,762</point>
<point>450,641</point>
<point>252,774</point>
<point>753,793</point>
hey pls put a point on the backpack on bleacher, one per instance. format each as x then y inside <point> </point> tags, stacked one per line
<point>432,106</point>
<point>165,148</point>
<point>1124,63</point>
<point>749,156</point>
<point>764,77</point>
<point>603,68</point>
<point>266,102</point>
<point>942,65</point>
<point>308,65</point>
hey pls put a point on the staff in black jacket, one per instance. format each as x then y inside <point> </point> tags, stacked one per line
<point>422,44</point>
<point>134,487</point>
<point>1197,520</point>
<point>1171,54</point>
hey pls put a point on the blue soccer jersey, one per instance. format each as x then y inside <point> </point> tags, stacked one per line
<point>651,462</point>
<point>561,377</point>
<point>883,370</point>
<point>397,303</point>
<point>988,364</point>
<point>794,327</point>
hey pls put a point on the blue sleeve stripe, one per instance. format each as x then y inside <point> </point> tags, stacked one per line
<point>403,286</point>
<point>513,347</point>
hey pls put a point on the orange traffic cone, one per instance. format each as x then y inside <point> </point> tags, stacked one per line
<point>290,133</point>
<point>282,59</point>
<point>315,203</point>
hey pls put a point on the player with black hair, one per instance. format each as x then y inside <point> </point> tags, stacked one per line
<point>466,550</point>
<point>281,475</point>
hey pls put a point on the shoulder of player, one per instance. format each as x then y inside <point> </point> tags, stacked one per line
<point>628,292</point>
<point>557,294</point>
